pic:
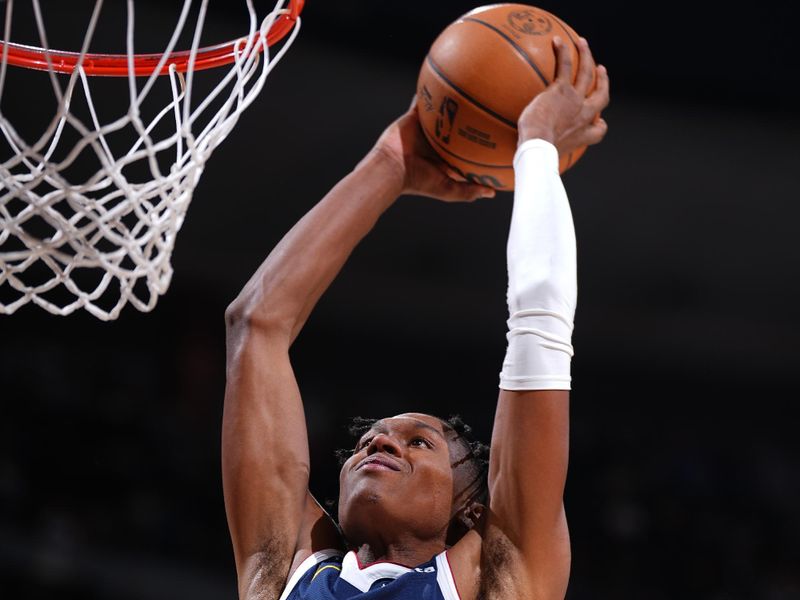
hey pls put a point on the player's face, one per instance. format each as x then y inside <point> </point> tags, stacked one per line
<point>400,476</point>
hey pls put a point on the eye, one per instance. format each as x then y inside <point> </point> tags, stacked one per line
<point>363,444</point>
<point>421,442</point>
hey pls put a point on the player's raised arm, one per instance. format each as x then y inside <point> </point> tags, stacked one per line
<point>274,523</point>
<point>526,523</point>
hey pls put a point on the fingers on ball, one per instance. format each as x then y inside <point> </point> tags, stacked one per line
<point>603,84</point>
<point>586,68</point>
<point>598,99</point>
<point>596,132</point>
<point>563,60</point>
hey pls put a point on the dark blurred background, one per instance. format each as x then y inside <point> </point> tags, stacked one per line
<point>684,477</point>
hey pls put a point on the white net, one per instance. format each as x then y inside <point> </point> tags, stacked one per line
<point>107,239</point>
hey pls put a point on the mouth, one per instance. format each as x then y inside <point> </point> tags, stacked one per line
<point>378,463</point>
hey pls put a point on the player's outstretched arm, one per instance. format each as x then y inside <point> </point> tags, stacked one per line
<point>530,440</point>
<point>274,522</point>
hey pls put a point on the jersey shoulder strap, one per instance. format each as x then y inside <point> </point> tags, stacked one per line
<point>330,555</point>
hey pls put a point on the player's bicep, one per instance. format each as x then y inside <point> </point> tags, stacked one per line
<point>530,447</point>
<point>265,460</point>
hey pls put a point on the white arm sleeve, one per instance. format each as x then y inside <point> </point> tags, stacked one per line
<point>542,278</point>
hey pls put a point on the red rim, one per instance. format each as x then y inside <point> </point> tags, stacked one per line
<point>116,65</point>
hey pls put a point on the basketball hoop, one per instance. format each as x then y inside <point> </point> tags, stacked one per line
<point>56,232</point>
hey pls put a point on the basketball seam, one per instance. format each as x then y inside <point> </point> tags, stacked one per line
<point>520,50</point>
<point>472,100</point>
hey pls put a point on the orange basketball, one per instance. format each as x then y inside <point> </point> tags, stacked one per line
<point>479,75</point>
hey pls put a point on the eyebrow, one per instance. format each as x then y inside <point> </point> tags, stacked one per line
<point>379,427</point>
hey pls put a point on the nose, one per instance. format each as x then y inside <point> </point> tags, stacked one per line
<point>383,443</point>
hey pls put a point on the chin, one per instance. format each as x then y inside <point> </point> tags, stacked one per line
<point>362,512</point>
<point>370,501</point>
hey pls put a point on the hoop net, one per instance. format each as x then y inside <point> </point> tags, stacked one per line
<point>107,240</point>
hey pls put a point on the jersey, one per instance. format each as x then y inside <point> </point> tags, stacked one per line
<point>327,575</point>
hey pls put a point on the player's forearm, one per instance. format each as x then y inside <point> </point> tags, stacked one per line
<point>542,281</point>
<point>530,440</point>
<point>265,446</point>
<point>288,284</point>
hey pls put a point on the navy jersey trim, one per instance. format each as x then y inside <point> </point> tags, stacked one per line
<point>331,564</point>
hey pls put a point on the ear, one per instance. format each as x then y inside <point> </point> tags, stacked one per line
<point>470,515</point>
<point>464,520</point>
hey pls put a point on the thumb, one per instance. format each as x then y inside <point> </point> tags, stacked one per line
<point>455,191</point>
<point>485,192</point>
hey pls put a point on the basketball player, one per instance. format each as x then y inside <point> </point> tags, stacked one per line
<point>412,522</point>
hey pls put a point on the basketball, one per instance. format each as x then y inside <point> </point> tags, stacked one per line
<point>478,76</point>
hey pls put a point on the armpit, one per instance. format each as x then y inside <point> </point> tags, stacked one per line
<point>502,572</point>
<point>266,572</point>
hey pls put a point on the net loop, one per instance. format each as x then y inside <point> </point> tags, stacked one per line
<point>105,240</point>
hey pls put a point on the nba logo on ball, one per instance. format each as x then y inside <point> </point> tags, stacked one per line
<point>530,22</point>
<point>478,76</point>
<point>446,118</point>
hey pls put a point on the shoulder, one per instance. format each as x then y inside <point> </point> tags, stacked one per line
<point>319,564</point>
<point>463,563</point>
<point>446,579</point>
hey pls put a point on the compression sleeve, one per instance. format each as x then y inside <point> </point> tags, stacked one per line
<point>542,277</point>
